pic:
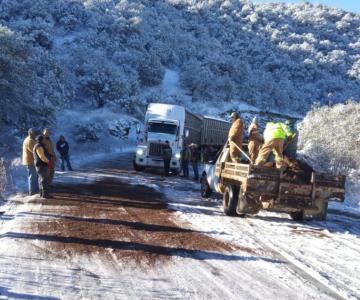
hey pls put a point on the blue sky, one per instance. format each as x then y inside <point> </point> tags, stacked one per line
<point>349,5</point>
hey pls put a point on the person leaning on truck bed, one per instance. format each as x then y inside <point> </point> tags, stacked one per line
<point>275,135</point>
<point>236,137</point>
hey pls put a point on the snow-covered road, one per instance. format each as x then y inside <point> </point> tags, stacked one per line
<point>198,253</point>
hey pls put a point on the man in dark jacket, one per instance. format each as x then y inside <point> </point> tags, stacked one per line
<point>195,155</point>
<point>62,147</point>
<point>185,161</point>
<point>167,154</point>
<point>42,160</point>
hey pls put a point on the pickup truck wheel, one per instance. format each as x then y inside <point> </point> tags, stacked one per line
<point>230,199</point>
<point>205,188</point>
<point>297,215</point>
<point>137,167</point>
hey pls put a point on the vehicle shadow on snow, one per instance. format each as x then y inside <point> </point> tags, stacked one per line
<point>133,246</point>
<point>13,295</point>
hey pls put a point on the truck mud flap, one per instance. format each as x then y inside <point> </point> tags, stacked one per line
<point>329,187</point>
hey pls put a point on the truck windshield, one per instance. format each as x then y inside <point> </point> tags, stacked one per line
<point>162,128</point>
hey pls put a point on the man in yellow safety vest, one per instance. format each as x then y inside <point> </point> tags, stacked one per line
<point>275,134</point>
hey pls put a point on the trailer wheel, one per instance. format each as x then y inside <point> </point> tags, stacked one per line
<point>137,167</point>
<point>205,188</point>
<point>230,200</point>
<point>297,215</point>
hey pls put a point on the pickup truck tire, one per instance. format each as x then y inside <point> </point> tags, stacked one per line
<point>137,167</point>
<point>297,215</point>
<point>205,188</point>
<point>230,200</point>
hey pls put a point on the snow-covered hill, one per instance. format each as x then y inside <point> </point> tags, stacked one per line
<point>96,52</point>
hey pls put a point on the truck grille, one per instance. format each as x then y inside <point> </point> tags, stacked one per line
<point>155,149</point>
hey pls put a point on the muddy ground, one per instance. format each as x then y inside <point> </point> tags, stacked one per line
<point>113,217</point>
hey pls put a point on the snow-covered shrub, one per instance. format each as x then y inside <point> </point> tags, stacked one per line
<point>87,133</point>
<point>329,139</point>
<point>121,129</point>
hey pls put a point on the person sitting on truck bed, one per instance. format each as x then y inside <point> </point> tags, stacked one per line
<point>275,135</point>
<point>236,137</point>
<point>255,141</point>
<point>167,154</point>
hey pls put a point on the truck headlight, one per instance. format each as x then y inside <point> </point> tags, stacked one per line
<point>140,152</point>
<point>177,155</point>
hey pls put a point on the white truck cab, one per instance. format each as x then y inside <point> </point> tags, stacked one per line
<point>163,122</point>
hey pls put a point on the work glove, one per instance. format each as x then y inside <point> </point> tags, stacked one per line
<point>50,165</point>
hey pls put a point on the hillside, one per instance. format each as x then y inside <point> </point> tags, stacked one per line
<point>60,53</point>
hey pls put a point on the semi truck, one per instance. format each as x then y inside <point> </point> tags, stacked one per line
<point>180,127</point>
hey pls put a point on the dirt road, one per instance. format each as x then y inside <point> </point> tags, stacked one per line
<point>113,233</point>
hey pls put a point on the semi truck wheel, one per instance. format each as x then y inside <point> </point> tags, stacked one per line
<point>137,167</point>
<point>230,200</point>
<point>205,188</point>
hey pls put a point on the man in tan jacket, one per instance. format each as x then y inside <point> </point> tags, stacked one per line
<point>236,137</point>
<point>255,141</point>
<point>48,144</point>
<point>28,161</point>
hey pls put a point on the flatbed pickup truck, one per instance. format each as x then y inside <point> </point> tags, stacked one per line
<point>247,189</point>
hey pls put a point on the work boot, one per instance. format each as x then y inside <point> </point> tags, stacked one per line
<point>47,196</point>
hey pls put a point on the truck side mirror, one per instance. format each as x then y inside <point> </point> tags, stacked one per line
<point>138,129</point>
<point>187,132</point>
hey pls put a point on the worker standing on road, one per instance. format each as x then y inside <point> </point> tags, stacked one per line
<point>167,154</point>
<point>50,149</point>
<point>43,162</point>
<point>185,161</point>
<point>195,160</point>
<point>255,141</point>
<point>62,146</point>
<point>28,161</point>
<point>275,135</point>
<point>236,137</point>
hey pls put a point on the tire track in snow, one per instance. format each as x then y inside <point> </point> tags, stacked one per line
<point>297,266</point>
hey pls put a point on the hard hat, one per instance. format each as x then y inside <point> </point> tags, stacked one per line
<point>234,114</point>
